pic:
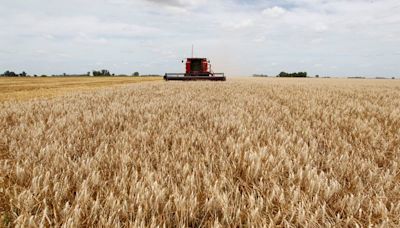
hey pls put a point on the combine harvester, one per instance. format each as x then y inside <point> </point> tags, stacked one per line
<point>196,69</point>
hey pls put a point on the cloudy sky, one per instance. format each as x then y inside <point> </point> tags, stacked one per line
<point>241,37</point>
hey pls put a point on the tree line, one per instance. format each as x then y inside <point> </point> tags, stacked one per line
<point>95,73</point>
<point>292,75</point>
<point>286,75</point>
<point>13,74</point>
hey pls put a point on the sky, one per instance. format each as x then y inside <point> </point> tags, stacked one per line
<point>240,37</point>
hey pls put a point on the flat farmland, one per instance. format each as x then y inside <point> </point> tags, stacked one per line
<point>45,87</point>
<point>246,152</point>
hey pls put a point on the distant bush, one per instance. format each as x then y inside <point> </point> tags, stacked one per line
<point>9,74</point>
<point>13,74</point>
<point>293,75</point>
<point>101,73</point>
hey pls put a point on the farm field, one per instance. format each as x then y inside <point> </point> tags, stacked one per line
<point>246,152</point>
<point>45,87</point>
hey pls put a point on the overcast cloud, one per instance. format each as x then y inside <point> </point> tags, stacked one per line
<point>241,37</point>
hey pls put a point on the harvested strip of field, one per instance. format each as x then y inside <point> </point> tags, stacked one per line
<point>255,152</point>
<point>45,87</point>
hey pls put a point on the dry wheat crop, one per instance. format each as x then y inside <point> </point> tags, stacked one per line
<point>26,88</point>
<point>248,152</point>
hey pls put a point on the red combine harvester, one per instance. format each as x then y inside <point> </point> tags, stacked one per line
<point>196,69</point>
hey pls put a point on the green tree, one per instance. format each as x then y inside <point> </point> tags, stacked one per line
<point>101,73</point>
<point>10,74</point>
<point>295,75</point>
<point>283,74</point>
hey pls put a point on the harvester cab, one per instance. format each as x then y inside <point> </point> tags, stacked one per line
<point>196,69</point>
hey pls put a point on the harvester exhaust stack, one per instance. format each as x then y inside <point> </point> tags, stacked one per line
<point>196,69</point>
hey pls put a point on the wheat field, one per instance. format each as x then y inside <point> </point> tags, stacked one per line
<point>27,88</point>
<point>246,152</point>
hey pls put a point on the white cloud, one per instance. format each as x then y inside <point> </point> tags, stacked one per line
<point>237,25</point>
<point>259,39</point>
<point>179,3</point>
<point>275,11</point>
<point>320,27</point>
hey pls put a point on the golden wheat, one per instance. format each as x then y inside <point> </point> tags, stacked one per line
<point>26,88</point>
<point>248,152</point>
